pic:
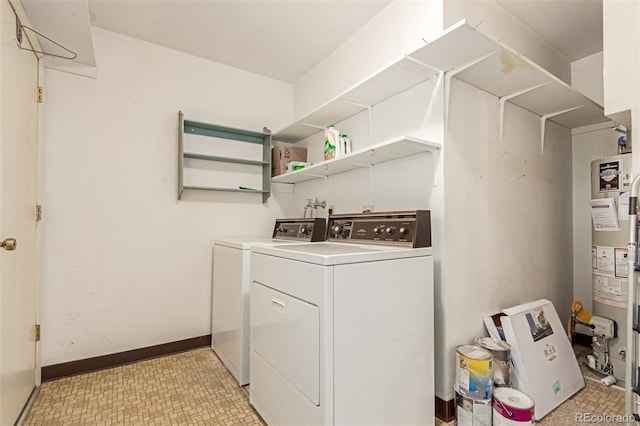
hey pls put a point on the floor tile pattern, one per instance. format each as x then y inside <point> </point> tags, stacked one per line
<point>194,388</point>
<point>191,388</point>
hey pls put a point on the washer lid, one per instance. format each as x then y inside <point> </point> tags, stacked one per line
<point>248,243</point>
<point>325,253</point>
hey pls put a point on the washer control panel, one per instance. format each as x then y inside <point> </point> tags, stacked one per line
<point>412,229</point>
<point>304,230</point>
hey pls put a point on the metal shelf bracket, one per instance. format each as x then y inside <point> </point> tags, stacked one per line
<point>315,126</point>
<point>369,109</point>
<point>505,98</point>
<point>447,83</point>
<point>543,122</point>
<point>423,64</point>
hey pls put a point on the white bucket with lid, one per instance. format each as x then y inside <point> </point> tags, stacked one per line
<point>512,408</point>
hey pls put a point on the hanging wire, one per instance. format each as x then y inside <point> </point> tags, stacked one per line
<point>19,32</point>
<point>21,27</point>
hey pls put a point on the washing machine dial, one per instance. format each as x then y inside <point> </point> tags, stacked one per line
<point>377,230</point>
<point>305,230</point>
<point>403,231</point>
<point>390,230</point>
<point>338,229</point>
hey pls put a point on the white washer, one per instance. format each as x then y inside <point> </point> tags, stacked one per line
<point>230,291</point>
<point>342,332</point>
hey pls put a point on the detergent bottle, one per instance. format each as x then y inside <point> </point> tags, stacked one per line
<point>331,142</point>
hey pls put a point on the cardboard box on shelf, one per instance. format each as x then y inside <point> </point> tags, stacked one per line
<point>281,155</point>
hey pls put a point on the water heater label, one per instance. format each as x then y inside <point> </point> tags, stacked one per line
<point>609,174</point>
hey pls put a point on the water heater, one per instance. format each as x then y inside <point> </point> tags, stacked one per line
<point>611,178</point>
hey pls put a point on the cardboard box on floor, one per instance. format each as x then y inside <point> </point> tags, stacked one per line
<point>281,155</point>
<point>544,364</point>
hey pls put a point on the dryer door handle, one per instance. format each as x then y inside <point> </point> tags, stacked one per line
<point>278,305</point>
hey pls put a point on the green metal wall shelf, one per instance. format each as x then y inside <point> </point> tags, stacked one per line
<point>214,131</point>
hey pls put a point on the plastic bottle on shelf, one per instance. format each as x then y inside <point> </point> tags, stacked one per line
<point>622,145</point>
<point>340,147</point>
<point>331,142</point>
<point>345,143</point>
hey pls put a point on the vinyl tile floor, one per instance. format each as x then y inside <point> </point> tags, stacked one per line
<point>194,388</point>
<point>189,388</point>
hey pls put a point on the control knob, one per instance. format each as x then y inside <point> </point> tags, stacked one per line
<point>390,230</point>
<point>305,230</point>
<point>403,231</point>
<point>338,230</point>
<point>377,230</point>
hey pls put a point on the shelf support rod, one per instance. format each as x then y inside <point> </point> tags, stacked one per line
<point>505,98</point>
<point>432,98</point>
<point>423,64</point>
<point>371,185</point>
<point>369,109</point>
<point>326,187</point>
<point>356,104</point>
<point>315,126</point>
<point>447,83</point>
<point>543,122</point>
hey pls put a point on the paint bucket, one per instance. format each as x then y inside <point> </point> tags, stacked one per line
<point>474,373</point>
<point>472,412</point>
<point>501,352</point>
<point>512,408</point>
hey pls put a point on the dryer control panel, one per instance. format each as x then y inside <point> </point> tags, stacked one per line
<point>412,229</point>
<point>303,230</point>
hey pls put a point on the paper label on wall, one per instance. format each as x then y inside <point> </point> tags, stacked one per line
<point>603,213</point>
<point>609,176</point>
<point>622,263</point>
<point>594,257</point>
<point>605,261</point>
<point>623,206</point>
<point>610,290</point>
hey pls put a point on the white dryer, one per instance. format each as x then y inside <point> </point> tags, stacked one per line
<point>342,331</point>
<point>231,283</point>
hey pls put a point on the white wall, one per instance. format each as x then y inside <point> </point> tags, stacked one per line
<point>127,265</point>
<point>398,29</point>
<point>493,20</point>
<point>587,76</point>
<point>621,46</point>
<point>400,184</point>
<point>508,220</point>
<point>588,144</point>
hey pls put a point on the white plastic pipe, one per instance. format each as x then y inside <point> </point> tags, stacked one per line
<point>632,352</point>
